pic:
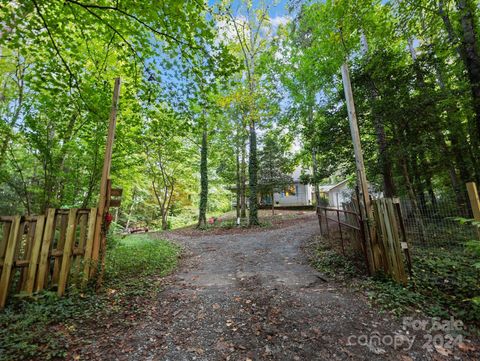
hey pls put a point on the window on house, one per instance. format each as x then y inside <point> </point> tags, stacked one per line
<point>290,191</point>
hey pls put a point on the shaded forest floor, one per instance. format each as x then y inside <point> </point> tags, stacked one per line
<point>252,296</point>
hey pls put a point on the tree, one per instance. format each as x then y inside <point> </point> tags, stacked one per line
<point>275,166</point>
<point>250,34</point>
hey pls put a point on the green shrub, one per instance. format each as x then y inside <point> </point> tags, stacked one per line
<point>38,326</point>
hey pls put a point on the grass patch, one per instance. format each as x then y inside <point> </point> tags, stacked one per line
<point>39,327</point>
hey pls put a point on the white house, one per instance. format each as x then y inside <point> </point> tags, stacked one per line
<point>336,193</point>
<point>299,194</point>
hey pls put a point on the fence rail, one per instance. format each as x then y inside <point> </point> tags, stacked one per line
<point>349,228</point>
<point>45,251</point>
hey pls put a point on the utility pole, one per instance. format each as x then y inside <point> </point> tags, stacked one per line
<point>360,165</point>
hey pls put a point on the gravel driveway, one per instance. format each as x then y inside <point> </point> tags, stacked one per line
<point>253,296</point>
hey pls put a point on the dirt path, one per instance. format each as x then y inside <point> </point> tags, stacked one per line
<point>253,296</point>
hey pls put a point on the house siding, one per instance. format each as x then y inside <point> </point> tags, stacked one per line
<point>302,197</point>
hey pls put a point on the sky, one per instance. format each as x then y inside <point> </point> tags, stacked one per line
<point>277,11</point>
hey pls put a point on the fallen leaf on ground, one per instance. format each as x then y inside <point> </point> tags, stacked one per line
<point>465,347</point>
<point>442,350</point>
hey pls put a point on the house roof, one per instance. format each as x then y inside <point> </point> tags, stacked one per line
<point>329,187</point>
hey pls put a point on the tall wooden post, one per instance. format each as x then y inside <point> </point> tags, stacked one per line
<point>361,174</point>
<point>474,202</point>
<point>101,209</point>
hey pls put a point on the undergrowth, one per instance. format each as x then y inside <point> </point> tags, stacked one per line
<point>444,283</point>
<point>38,327</point>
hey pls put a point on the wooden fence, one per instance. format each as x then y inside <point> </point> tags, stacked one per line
<point>391,238</point>
<point>46,251</point>
<point>389,247</point>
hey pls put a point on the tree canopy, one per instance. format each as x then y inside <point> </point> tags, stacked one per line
<point>218,98</point>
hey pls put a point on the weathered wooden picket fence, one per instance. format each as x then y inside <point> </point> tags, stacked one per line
<point>393,250</point>
<point>388,248</point>
<point>46,251</point>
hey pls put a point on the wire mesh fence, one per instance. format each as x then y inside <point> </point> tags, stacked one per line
<point>428,225</point>
<point>437,223</point>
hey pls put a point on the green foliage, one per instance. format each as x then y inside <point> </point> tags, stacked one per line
<point>140,255</point>
<point>332,263</point>
<point>38,327</point>
<point>444,283</point>
<point>275,165</point>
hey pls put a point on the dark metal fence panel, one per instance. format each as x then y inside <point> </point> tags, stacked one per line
<point>344,229</point>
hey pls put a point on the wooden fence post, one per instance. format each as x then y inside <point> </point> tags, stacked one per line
<point>105,176</point>
<point>9,259</point>
<point>34,256</point>
<point>87,257</point>
<point>67,251</point>
<point>474,202</point>
<point>44,262</point>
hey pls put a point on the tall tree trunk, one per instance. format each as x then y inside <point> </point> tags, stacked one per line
<point>238,180</point>
<point>385,161</point>
<point>273,203</point>
<point>16,114</point>
<point>202,214</point>
<point>243,192</point>
<point>382,144</point>
<point>315,175</point>
<point>454,157</point>
<point>252,177</point>
<point>314,160</point>
<point>471,51</point>
<point>383,151</point>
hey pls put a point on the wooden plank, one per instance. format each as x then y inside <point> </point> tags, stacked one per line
<point>388,241</point>
<point>27,251</point>
<point>381,234</point>
<point>396,246</point>
<point>22,263</point>
<point>44,262</point>
<point>474,202</point>
<point>83,224</point>
<point>60,246</point>
<point>21,246</point>
<point>4,240</point>
<point>87,259</point>
<point>59,253</point>
<point>34,255</point>
<point>67,253</point>
<point>8,261</point>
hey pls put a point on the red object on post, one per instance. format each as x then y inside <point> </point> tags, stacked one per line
<point>108,220</point>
